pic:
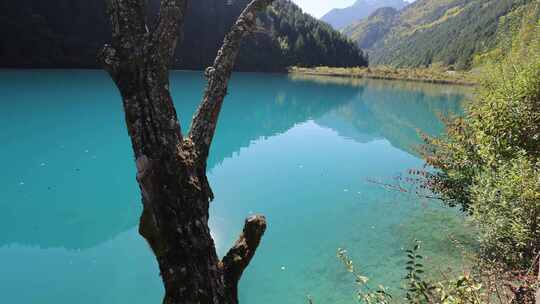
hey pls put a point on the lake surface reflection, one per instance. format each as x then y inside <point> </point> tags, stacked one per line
<point>297,149</point>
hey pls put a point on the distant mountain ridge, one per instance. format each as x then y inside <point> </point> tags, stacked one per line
<point>340,18</point>
<point>434,32</point>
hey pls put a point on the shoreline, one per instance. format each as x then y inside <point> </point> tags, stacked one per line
<point>384,73</point>
<point>423,75</point>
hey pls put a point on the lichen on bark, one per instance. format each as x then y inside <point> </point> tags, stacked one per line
<point>171,169</point>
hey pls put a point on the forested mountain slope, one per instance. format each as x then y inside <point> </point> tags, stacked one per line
<point>428,32</point>
<point>68,34</point>
<point>368,32</point>
<point>518,34</point>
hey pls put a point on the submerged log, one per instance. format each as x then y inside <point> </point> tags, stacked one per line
<point>171,168</point>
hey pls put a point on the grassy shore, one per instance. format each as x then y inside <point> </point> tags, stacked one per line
<point>430,75</point>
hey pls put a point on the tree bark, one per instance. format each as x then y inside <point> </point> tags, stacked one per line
<point>171,169</point>
<point>537,296</point>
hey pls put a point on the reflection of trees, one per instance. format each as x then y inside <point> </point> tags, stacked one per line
<point>257,107</point>
<point>430,89</point>
<point>393,110</point>
<point>263,107</point>
<point>402,114</point>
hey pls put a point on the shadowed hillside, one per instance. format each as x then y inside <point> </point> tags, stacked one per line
<point>69,33</point>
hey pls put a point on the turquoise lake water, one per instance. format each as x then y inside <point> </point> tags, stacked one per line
<point>299,150</point>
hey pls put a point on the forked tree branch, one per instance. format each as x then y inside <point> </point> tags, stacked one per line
<point>168,28</point>
<point>237,259</point>
<point>129,32</point>
<point>138,60</point>
<point>128,20</point>
<point>131,38</point>
<point>205,120</point>
<point>171,171</point>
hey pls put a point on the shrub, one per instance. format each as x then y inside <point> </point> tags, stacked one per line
<point>488,162</point>
<point>486,284</point>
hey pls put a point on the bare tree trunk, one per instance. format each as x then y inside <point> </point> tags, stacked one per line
<point>537,297</point>
<point>171,169</point>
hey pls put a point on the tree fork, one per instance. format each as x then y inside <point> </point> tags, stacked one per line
<point>171,169</point>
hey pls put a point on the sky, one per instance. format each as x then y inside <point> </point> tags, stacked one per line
<point>318,8</point>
